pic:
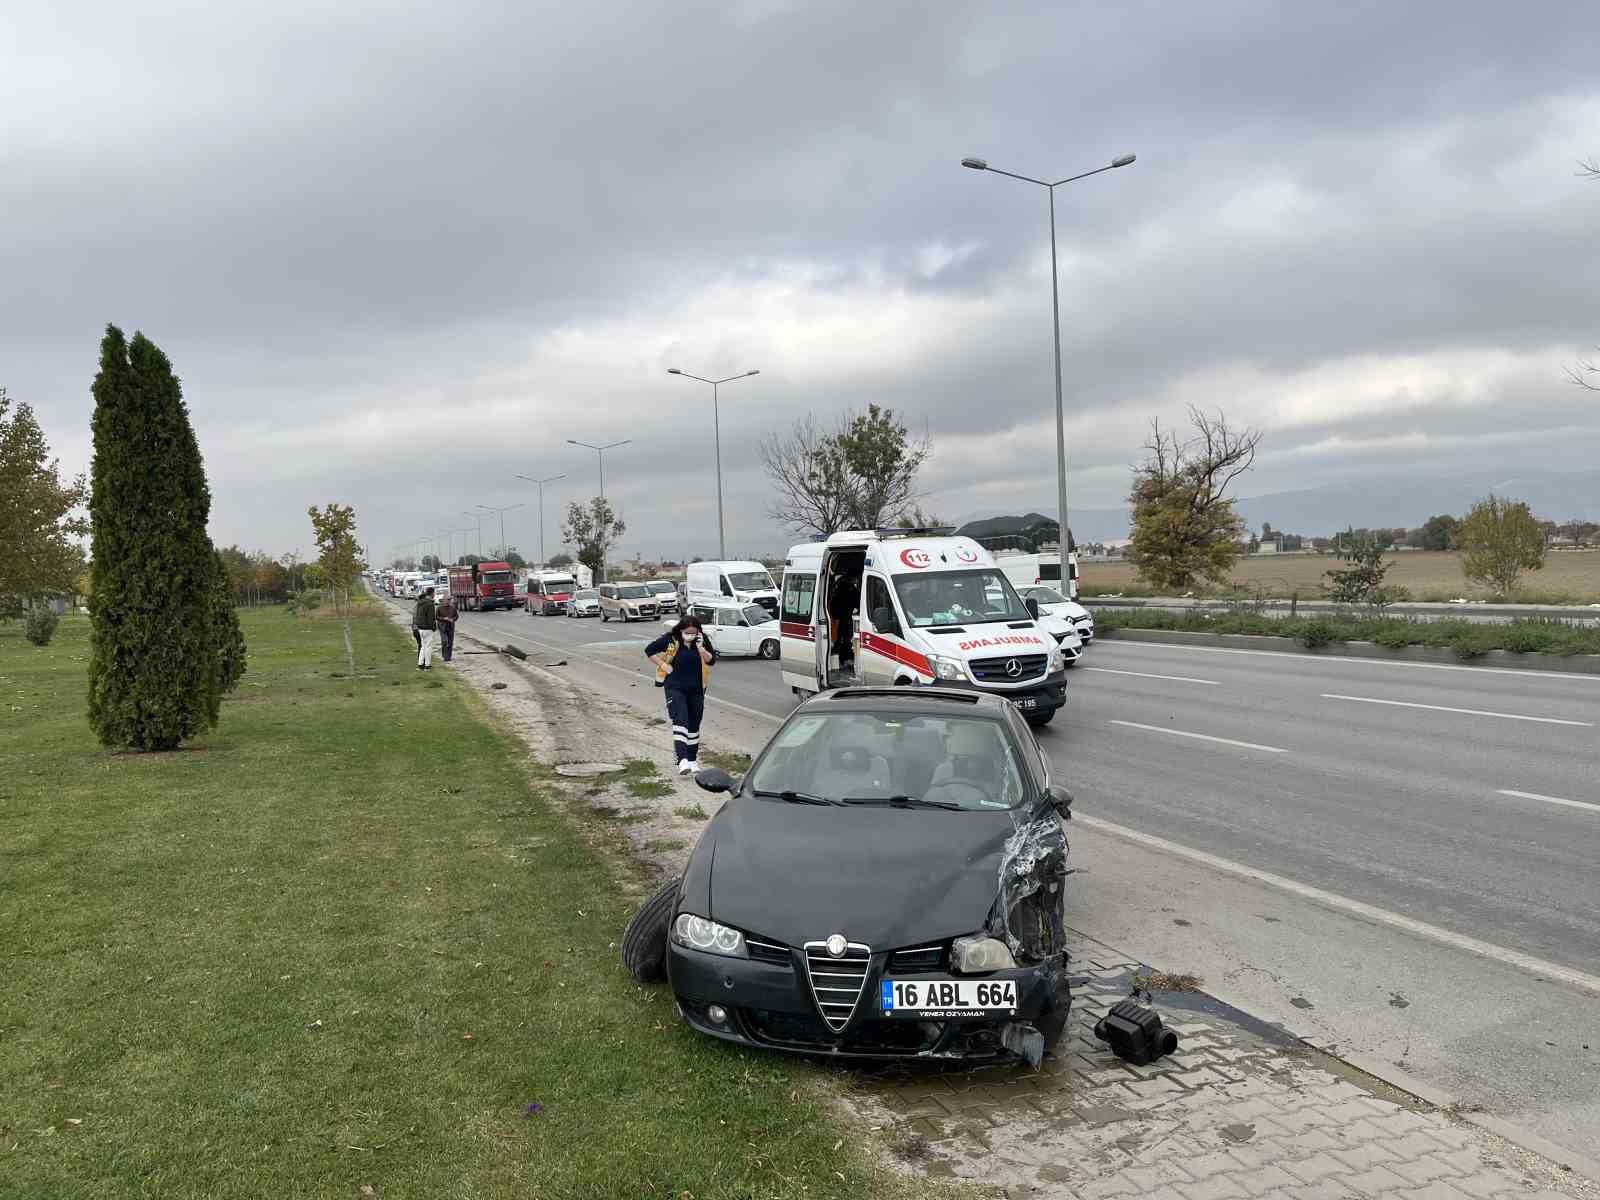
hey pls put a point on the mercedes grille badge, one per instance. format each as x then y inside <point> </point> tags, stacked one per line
<point>1013,667</point>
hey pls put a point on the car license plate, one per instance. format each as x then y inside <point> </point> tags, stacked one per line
<point>1027,702</point>
<point>935,998</point>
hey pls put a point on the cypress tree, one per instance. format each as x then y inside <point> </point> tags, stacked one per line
<point>162,652</point>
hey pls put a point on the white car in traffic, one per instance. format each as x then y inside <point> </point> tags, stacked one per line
<point>1053,603</point>
<point>750,630</point>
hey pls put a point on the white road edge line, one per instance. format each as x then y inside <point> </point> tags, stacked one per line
<point>752,712</point>
<point>1204,737</point>
<point>1549,799</point>
<point>1356,908</point>
<point>1147,675</point>
<point>1471,712</point>
<point>1580,676</point>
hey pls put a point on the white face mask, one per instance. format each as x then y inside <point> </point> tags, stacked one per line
<point>690,635</point>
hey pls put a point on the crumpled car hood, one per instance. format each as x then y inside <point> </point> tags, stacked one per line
<point>885,877</point>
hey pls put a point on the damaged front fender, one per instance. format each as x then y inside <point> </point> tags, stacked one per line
<point>1029,913</point>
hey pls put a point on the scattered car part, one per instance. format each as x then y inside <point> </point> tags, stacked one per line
<point>1135,1033</point>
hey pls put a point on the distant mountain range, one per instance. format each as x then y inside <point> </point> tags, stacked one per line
<point>1553,495</point>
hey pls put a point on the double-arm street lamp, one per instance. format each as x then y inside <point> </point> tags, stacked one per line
<point>978,164</point>
<point>477,518</point>
<point>541,483</point>
<point>601,452</point>
<point>716,431</point>
<point>502,511</point>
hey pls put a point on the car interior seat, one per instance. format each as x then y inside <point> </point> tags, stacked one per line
<point>971,771</point>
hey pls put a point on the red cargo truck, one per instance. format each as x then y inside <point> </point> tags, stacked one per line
<point>483,586</point>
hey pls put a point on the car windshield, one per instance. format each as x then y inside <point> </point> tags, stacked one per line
<point>959,598</point>
<point>557,584</point>
<point>634,591</point>
<point>660,586</point>
<point>495,576</point>
<point>587,595</point>
<point>869,758</point>
<point>1046,595</point>
<point>757,615</point>
<point>751,581</point>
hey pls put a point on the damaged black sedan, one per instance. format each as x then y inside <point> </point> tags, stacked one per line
<point>887,881</point>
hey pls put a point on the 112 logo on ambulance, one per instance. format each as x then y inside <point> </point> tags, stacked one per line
<point>915,558</point>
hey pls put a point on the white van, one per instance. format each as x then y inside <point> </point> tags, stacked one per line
<point>549,592</point>
<point>736,583</point>
<point>1026,570</point>
<point>916,608</point>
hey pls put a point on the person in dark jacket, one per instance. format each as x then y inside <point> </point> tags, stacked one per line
<point>425,621</point>
<point>683,658</point>
<point>445,614</point>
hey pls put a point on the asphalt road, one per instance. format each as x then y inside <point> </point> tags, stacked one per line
<point>1408,853</point>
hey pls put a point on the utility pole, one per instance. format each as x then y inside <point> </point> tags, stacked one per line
<point>541,483</point>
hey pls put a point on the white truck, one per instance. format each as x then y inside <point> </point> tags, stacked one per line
<point>875,607</point>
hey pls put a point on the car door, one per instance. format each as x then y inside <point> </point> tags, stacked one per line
<point>734,632</point>
<point>873,666</point>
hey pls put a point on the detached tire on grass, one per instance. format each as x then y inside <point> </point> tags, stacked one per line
<point>644,941</point>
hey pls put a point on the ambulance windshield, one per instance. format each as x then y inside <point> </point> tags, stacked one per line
<point>958,598</point>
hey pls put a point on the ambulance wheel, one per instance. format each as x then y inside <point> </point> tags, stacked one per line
<point>604,616</point>
<point>1040,719</point>
<point>769,649</point>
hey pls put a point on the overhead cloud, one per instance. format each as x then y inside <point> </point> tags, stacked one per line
<point>400,254</point>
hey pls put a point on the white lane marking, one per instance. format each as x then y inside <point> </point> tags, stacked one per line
<point>637,672</point>
<point>1471,712</point>
<point>1147,675</point>
<point>1204,737</point>
<point>1358,908</point>
<point>1349,658</point>
<point>1549,799</point>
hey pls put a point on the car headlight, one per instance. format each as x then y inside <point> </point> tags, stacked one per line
<point>946,668</point>
<point>1058,661</point>
<point>975,955</point>
<point>699,933</point>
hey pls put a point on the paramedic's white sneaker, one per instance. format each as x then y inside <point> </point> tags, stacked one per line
<point>685,767</point>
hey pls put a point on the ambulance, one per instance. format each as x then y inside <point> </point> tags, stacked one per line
<point>914,606</point>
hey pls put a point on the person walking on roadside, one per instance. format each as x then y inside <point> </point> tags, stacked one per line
<point>445,614</point>
<point>425,620</point>
<point>683,658</point>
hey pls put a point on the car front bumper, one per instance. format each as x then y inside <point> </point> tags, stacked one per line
<point>770,1005</point>
<point>1048,694</point>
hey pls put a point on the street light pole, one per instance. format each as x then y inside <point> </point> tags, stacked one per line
<point>716,430</point>
<point>601,452</point>
<point>502,512</point>
<point>541,483</point>
<point>477,517</point>
<point>978,164</point>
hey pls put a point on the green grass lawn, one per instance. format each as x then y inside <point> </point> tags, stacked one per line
<point>344,941</point>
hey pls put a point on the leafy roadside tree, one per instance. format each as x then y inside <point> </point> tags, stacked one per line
<point>1439,533</point>
<point>592,529</point>
<point>1361,580</point>
<point>1500,539</point>
<point>1185,528</point>
<point>431,562</point>
<point>861,475</point>
<point>37,552</point>
<point>334,527</point>
<point>557,561</point>
<point>165,644</point>
<point>509,556</point>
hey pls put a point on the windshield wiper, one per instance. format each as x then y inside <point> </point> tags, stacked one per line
<point>794,797</point>
<point>901,802</point>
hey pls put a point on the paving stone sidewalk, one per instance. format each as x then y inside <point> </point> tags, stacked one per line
<point>1241,1110</point>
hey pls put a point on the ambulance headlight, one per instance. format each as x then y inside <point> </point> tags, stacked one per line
<point>1058,661</point>
<point>946,668</point>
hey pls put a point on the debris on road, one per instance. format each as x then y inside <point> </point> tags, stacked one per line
<point>1135,1033</point>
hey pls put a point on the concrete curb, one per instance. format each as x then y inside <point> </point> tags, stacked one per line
<point>1561,612</point>
<point>1574,664</point>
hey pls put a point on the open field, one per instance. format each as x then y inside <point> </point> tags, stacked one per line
<point>1569,576</point>
<point>349,940</point>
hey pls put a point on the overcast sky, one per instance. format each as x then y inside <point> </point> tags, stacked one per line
<point>400,253</point>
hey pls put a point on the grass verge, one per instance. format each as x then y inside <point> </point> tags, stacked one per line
<point>345,941</point>
<point>1468,639</point>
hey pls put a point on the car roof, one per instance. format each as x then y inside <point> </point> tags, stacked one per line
<point>918,701</point>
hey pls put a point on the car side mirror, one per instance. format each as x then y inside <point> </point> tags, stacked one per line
<point>1060,799</point>
<point>1032,606</point>
<point>883,619</point>
<point>714,779</point>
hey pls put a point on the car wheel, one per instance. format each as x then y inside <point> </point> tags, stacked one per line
<point>1070,663</point>
<point>604,616</point>
<point>769,649</point>
<point>1040,719</point>
<point>644,941</point>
